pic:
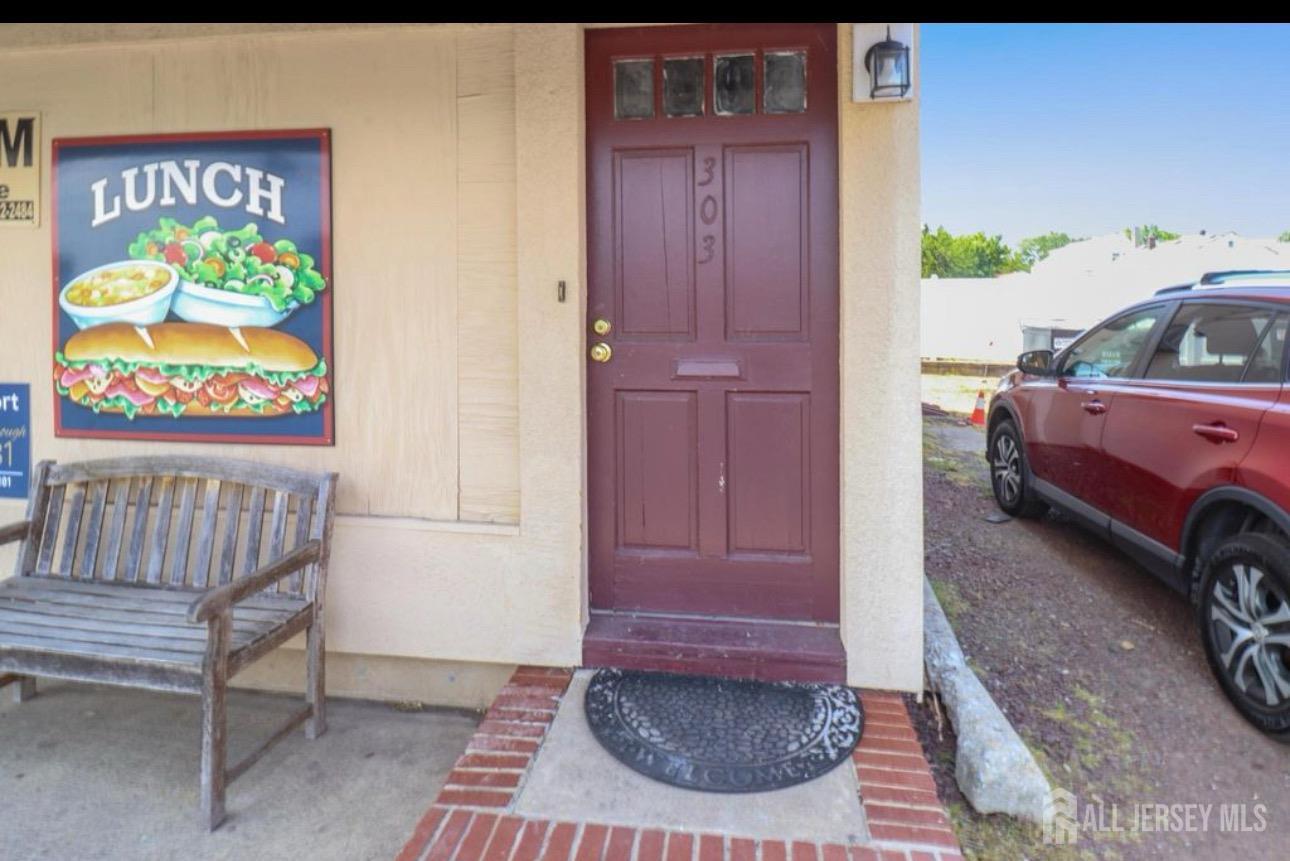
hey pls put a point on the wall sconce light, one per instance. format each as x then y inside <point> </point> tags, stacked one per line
<point>887,63</point>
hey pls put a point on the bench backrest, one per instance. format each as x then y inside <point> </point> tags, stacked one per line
<point>177,522</point>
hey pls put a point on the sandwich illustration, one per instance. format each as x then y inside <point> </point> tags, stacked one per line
<point>190,369</point>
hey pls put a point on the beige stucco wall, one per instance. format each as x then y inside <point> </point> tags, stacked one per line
<point>431,557</point>
<point>458,206</point>
<point>882,478</point>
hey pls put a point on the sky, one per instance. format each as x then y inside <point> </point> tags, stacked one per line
<point>1087,129</point>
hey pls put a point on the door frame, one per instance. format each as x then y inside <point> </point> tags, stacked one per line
<point>881,542</point>
<point>819,595</point>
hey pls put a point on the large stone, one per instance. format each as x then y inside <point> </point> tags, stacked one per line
<point>994,769</point>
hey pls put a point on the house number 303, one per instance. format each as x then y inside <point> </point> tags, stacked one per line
<point>708,215</point>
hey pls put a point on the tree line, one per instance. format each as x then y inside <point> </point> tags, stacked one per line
<point>975,255</point>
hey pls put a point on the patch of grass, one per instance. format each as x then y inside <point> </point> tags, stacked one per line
<point>1097,765</point>
<point>1001,838</point>
<point>950,599</point>
<point>966,469</point>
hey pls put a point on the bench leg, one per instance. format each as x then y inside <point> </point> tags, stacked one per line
<point>315,692</point>
<point>24,687</point>
<point>214,777</point>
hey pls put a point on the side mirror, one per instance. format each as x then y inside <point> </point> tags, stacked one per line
<point>1036,362</point>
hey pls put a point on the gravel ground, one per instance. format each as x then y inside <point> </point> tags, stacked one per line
<point>1100,668</point>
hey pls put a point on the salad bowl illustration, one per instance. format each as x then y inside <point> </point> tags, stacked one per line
<point>231,277</point>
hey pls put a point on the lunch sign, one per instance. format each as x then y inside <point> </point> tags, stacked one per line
<point>192,287</point>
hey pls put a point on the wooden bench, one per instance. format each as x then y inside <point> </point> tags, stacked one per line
<point>160,573</point>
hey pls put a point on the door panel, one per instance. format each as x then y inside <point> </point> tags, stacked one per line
<point>1067,417</point>
<point>770,472</point>
<point>655,253</point>
<point>712,251</point>
<point>1062,436</point>
<point>1156,465</point>
<point>657,436</point>
<point>767,285</point>
<point>1189,423</point>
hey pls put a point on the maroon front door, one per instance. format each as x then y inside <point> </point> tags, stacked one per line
<point>713,244</point>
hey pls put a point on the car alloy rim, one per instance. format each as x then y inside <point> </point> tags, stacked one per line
<point>1007,468</point>
<point>1250,622</point>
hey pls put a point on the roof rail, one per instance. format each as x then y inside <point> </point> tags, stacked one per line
<point>1223,276</point>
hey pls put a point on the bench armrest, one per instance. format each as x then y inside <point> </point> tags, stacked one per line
<point>14,531</point>
<point>222,598</point>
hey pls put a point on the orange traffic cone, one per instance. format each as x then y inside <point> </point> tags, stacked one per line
<point>978,412</point>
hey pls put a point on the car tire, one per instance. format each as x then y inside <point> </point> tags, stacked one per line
<point>1009,474</point>
<point>1244,617</point>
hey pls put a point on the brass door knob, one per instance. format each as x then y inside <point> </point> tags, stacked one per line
<point>601,352</point>
<point>601,326</point>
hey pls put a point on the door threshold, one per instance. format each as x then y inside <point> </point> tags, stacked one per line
<point>766,650</point>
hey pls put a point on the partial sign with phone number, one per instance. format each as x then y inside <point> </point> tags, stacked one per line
<point>15,439</point>
<point>17,210</point>
<point>19,168</point>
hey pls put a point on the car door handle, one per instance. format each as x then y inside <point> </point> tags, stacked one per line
<point>1094,407</point>
<point>1216,432</point>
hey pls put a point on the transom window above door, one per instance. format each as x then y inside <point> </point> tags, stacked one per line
<point>725,84</point>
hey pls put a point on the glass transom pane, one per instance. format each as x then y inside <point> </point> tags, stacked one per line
<point>733,84</point>
<point>633,89</point>
<point>683,87</point>
<point>785,82</point>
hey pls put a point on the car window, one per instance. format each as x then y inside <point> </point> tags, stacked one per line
<point>1266,365</point>
<point>1209,343</point>
<point>1112,349</point>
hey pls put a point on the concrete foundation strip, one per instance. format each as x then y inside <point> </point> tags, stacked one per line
<point>993,767</point>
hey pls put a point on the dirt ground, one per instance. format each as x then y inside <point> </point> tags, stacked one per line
<point>1100,668</point>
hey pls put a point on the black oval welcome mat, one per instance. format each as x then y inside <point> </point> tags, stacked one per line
<point>723,735</point>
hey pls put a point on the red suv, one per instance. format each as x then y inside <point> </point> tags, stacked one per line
<point>1166,429</point>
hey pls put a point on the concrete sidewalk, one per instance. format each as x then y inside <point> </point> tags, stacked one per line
<point>96,772</point>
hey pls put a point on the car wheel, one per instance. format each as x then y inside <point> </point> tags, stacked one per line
<point>1008,474</point>
<point>1244,619</point>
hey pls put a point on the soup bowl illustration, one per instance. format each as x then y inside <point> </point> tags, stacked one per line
<point>128,291</point>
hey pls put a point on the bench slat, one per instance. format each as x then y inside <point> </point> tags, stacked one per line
<point>242,620</point>
<point>139,529</point>
<point>116,529</point>
<point>184,531</point>
<point>93,529</point>
<point>145,609</point>
<point>72,530</point>
<point>303,514</point>
<point>49,536</point>
<point>86,627</point>
<point>255,527</point>
<point>228,553</point>
<point>278,529</point>
<point>186,466</point>
<point>206,539</point>
<point>160,529</point>
<point>149,597</point>
<point>98,650</point>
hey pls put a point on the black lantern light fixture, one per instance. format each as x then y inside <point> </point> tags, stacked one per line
<point>888,65</point>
